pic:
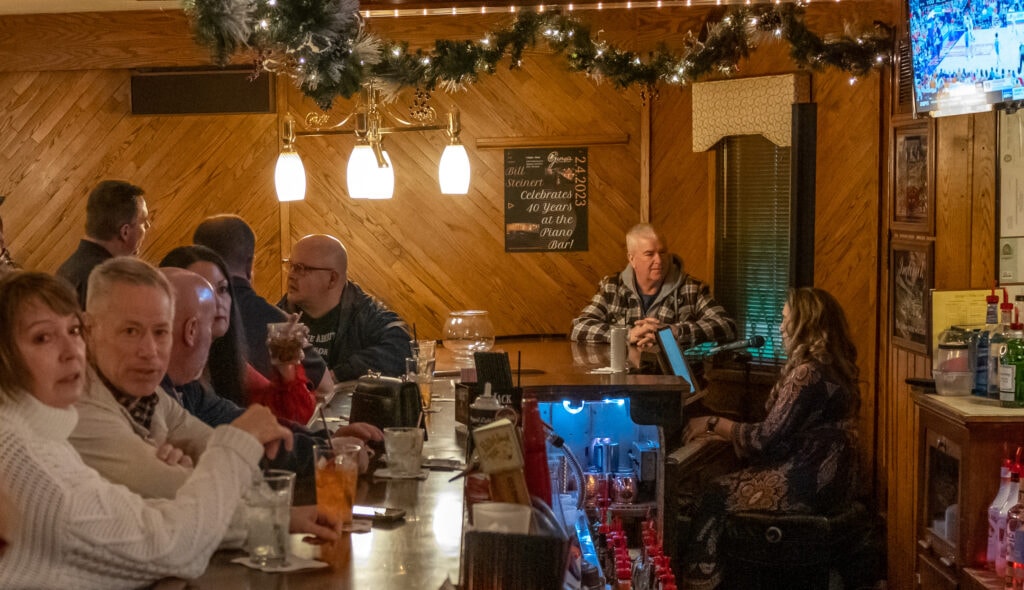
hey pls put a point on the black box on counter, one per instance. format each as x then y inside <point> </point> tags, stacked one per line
<point>507,561</point>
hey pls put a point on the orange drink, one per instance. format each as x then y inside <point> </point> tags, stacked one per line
<point>337,470</point>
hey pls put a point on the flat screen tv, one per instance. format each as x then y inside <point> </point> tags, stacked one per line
<point>967,54</point>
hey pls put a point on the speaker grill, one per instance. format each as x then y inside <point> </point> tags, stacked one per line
<point>201,92</point>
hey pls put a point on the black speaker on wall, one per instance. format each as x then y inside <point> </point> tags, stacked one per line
<point>201,92</point>
<point>803,162</point>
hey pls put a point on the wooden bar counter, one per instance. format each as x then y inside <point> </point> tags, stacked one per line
<point>424,549</point>
<point>417,552</point>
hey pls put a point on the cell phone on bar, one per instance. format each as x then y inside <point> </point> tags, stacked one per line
<point>378,513</point>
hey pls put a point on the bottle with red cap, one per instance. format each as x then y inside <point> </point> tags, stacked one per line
<point>535,452</point>
<point>993,511</point>
<point>1015,545</point>
<point>1000,564</point>
<point>997,344</point>
<point>980,343</point>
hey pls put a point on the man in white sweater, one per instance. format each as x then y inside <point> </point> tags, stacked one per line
<point>129,429</point>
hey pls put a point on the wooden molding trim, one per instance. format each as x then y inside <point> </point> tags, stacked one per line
<point>491,143</point>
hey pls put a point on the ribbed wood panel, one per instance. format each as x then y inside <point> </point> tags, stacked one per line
<point>901,460</point>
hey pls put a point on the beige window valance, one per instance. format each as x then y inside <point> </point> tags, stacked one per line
<point>747,106</point>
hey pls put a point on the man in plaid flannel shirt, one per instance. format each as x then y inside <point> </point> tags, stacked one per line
<point>652,292</point>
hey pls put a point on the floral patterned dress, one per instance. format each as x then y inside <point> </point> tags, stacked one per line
<point>802,459</point>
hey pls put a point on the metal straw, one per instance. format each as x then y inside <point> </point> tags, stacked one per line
<point>323,419</point>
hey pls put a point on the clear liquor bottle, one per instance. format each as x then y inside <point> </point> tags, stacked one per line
<point>1015,544</point>
<point>993,512</point>
<point>1003,517</point>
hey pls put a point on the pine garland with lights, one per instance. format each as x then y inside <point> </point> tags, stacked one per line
<point>324,46</point>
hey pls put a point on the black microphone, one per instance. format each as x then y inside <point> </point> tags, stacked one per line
<point>752,342</point>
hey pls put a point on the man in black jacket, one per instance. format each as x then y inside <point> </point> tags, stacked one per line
<point>116,222</point>
<point>351,329</point>
<point>232,238</point>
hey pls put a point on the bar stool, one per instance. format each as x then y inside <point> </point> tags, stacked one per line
<point>768,550</point>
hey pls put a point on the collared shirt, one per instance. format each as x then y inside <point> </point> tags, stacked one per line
<point>141,409</point>
<point>682,301</point>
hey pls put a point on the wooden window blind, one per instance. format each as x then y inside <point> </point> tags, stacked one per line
<point>752,238</point>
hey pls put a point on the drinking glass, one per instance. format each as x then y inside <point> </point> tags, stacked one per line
<point>268,505</point>
<point>467,332</point>
<point>420,371</point>
<point>404,447</point>
<point>285,341</point>
<point>337,469</point>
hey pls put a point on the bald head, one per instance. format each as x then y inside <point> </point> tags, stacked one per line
<point>194,310</point>
<point>324,250</point>
<point>318,274</point>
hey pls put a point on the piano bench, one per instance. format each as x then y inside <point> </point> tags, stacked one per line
<point>770,550</point>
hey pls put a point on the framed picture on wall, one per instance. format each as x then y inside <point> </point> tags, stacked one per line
<point>913,177</point>
<point>912,278</point>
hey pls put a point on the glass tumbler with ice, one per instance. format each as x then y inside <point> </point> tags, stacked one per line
<point>268,510</point>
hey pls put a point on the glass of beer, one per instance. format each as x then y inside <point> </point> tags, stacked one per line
<point>337,469</point>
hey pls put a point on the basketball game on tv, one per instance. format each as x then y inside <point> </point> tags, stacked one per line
<point>967,54</point>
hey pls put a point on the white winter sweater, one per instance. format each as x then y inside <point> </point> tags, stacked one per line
<point>74,529</point>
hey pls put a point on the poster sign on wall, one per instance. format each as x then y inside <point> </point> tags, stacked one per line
<point>546,200</point>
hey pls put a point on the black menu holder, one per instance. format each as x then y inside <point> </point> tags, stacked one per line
<point>503,561</point>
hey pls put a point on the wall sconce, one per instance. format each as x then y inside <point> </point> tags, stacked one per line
<point>369,174</point>
<point>289,176</point>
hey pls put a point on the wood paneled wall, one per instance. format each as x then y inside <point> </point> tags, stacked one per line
<point>65,125</point>
<point>965,187</point>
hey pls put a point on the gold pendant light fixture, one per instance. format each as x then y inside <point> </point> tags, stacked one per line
<point>369,174</point>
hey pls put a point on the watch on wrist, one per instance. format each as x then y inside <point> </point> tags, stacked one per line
<point>711,423</point>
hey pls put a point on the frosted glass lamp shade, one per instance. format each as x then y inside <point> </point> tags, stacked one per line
<point>453,172</point>
<point>365,179</point>
<point>290,177</point>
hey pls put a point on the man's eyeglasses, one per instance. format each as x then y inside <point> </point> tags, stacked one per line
<point>301,270</point>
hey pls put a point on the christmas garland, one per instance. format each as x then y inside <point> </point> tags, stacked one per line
<point>323,45</point>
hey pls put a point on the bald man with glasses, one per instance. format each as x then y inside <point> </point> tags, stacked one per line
<point>352,330</point>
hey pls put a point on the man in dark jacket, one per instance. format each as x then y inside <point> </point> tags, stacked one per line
<point>116,222</point>
<point>232,238</point>
<point>351,329</point>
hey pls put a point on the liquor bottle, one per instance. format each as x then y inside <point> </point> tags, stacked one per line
<point>993,512</point>
<point>1003,514</point>
<point>1015,544</point>
<point>997,345</point>
<point>980,344</point>
<point>535,452</point>
<point>1011,367</point>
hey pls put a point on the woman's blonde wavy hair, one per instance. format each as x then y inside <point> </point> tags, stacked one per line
<point>818,332</point>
